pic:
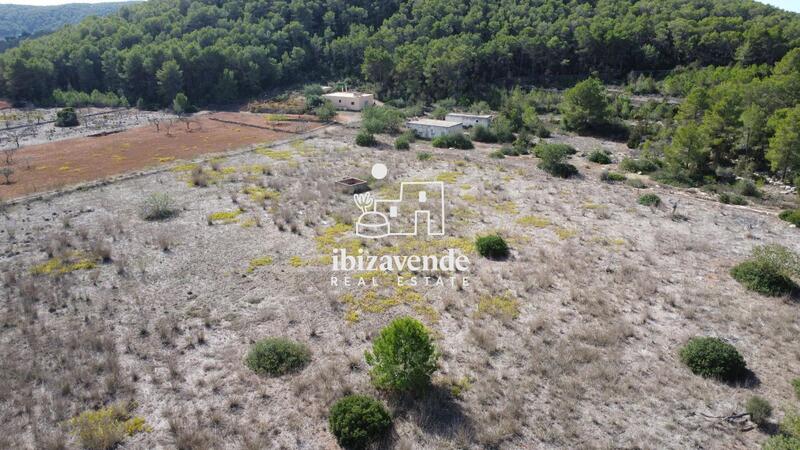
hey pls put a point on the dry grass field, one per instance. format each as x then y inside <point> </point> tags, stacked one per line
<point>570,343</point>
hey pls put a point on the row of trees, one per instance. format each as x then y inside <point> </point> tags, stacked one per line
<point>216,51</point>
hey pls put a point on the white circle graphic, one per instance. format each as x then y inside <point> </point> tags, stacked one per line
<point>379,171</point>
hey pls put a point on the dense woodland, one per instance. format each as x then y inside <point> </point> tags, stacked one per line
<point>18,20</point>
<point>735,62</point>
<point>216,51</point>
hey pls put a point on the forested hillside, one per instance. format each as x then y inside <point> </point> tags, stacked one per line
<point>16,20</point>
<point>218,51</point>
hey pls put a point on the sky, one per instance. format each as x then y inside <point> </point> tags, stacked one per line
<point>790,5</point>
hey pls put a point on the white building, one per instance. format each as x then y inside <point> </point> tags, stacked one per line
<point>469,120</point>
<point>429,128</point>
<point>351,101</point>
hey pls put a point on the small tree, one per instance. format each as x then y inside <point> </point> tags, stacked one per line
<point>759,409</point>
<point>554,159</point>
<point>403,356</point>
<point>325,112</point>
<point>170,80</point>
<point>180,104</point>
<point>358,420</point>
<point>277,356</point>
<point>492,246</point>
<point>585,106</point>
<point>6,172</point>
<point>711,357</point>
<point>67,117</point>
<point>769,271</point>
<point>9,153</point>
<point>784,146</point>
<point>365,139</point>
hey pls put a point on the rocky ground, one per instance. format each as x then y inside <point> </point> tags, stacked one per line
<point>570,343</point>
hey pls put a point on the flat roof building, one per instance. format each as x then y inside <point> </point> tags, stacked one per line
<point>430,128</point>
<point>351,101</point>
<point>469,120</point>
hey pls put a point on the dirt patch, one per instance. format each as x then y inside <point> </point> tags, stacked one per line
<point>4,104</point>
<point>50,166</point>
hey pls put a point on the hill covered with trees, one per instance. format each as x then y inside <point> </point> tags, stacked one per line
<point>221,50</point>
<point>18,20</point>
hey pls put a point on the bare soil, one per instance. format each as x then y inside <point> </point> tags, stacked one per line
<point>570,343</point>
<point>54,165</point>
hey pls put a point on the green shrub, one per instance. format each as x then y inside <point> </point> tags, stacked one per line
<point>729,199</point>
<point>401,143</point>
<point>67,118</point>
<point>96,98</point>
<point>492,246</point>
<point>365,139</point>
<point>747,188</point>
<point>636,183</point>
<point>381,119</point>
<point>403,356</point>
<point>554,157</point>
<point>759,409</point>
<point>542,149</point>
<point>599,157</point>
<point>358,420</point>
<point>326,111</point>
<point>158,206</point>
<point>107,427</point>
<point>792,216</point>
<point>725,175</point>
<point>497,154</point>
<point>481,133</point>
<point>409,135</point>
<point>762,276</point>
<point>638,165</point>
<point>522,144</point>
<point>650,200</point>
<point>561,170</point>
<point>612,176</point>
<point>277,356</point>
<point>781,442</point>
<point>457,140</point>
<point>509,150</point>
<point>424,156</point>
<point>790,425</point>
<point>713,358</point>
<point>503,129</point>
<point>796,386</point>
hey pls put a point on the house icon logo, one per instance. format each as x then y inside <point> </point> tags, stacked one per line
<point>419,209</point>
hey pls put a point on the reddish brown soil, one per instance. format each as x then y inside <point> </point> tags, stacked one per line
<point>54,165</point>
<point>4,104</point>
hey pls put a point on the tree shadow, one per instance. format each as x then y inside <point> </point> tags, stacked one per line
<point>769,428</point>
<point>748,380</point>
<point>436,411</point>
<point>794,295</point>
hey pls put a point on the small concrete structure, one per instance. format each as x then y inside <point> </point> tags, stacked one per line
<point>351,101</point>
<point>429,128</point>
<point>469,120</point>
<point>352,185</point>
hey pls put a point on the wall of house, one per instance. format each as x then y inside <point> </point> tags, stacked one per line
<point>469,121</point>
<point>430,132</point>
<point>351,103</point>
